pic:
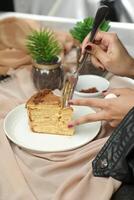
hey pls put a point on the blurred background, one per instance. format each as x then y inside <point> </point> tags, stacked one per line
<point>120,10</point>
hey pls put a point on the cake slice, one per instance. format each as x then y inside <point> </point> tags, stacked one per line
<point>47,116</point>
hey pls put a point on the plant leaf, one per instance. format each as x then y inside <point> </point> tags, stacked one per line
<point>82,28</point>
<point>43,46</point>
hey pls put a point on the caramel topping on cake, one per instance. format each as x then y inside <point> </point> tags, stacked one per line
<point>44,97</point>
<point>39,98</point>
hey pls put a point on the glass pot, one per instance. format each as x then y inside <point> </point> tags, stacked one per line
<point>48,76</point>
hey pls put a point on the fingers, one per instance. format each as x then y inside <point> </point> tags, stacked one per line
<point>88,118</point>
<point>97,63</point>
<point>116,91</point>
<point>93,102</point>
<point>114,123</point>
<point>97,52</point>
<point>97,41</point>
<point>100,54</point>
<point>106,37</point>
<point>99,48</point>
<point>99,116</point>
<point>84,43</point>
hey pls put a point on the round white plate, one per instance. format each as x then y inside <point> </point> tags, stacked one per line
<point>18,131</point>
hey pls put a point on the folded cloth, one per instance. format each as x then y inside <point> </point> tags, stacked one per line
<point>13,51</point>
<point>13,32</point>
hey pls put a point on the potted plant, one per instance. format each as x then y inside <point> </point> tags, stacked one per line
<point>45,49</point>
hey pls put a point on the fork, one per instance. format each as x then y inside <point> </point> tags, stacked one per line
<point>71,78</point>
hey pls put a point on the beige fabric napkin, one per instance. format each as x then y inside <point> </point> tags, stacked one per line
<point>13,52</point>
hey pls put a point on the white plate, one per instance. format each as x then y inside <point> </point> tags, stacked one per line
<point>18,131</point>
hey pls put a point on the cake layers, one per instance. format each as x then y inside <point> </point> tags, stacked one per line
<point>47,116</point>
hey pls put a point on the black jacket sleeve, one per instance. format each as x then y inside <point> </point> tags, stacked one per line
<point>116,158</point>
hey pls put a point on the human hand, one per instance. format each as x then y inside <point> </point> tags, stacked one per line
<point>112,110</point>
<point>107,52</point>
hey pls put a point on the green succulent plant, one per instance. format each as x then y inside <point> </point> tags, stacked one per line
<point>82,28</point>
<point>43,46</point>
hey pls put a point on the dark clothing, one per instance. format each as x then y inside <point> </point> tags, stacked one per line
<point>125,192</point>
<point>116,158</point>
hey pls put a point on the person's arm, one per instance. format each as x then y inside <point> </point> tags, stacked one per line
<point>109,53</point>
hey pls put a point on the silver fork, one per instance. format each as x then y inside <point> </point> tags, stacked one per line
<point>71,78</point>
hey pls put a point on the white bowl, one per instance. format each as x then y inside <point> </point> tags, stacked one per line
<point>90,81</point>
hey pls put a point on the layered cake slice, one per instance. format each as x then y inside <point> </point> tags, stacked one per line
<point>47,116</point>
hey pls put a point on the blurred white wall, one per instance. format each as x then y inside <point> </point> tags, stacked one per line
<point>125,9</point>
<point>33,6</point>
<point>74,8</point>
<point>63,8</point>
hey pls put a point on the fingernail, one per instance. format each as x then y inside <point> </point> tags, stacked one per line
<point>88,48</point>
<point>70,125</point>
